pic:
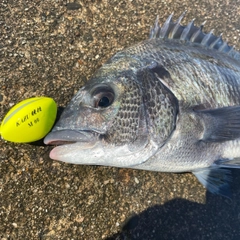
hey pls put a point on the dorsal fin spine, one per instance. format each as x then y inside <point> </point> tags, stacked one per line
<point>177,27</point>
<point>165,28</point>
<point>215,44</point>
<point>224,47</point>
<point>192,34</point>
<point>207,38</point>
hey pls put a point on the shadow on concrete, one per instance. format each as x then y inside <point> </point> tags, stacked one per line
<point>181,219</point>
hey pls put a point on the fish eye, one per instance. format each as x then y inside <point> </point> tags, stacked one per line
<point>103,99</point>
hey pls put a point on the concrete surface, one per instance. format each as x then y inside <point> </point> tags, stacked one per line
<point>51,48</point>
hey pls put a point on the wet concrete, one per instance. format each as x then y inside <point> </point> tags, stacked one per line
<point>51,48</point>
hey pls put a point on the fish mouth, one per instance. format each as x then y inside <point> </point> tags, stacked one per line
<point>69,143</point>
<point>68,136</point>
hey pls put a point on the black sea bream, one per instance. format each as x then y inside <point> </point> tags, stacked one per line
<point>170,104</point>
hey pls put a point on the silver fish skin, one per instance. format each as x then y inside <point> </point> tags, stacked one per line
<point>169,104</point>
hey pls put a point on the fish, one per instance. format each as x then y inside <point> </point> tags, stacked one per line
<point>170,103</point>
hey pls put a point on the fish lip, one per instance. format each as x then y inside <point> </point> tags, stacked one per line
<point>69,136</point>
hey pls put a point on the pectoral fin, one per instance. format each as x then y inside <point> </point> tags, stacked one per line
<point>222,124</point>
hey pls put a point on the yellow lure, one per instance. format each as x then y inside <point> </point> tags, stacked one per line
<point>30,120</point>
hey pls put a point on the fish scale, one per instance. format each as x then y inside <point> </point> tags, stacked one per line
<point>125,125</point>
<point>184,68</point>
<point>160,114</point>
<point>170,103</point>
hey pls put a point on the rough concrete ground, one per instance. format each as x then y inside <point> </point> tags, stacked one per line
<point>51,48</point>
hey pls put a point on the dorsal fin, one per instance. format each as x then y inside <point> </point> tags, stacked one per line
<point>191,33</point>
